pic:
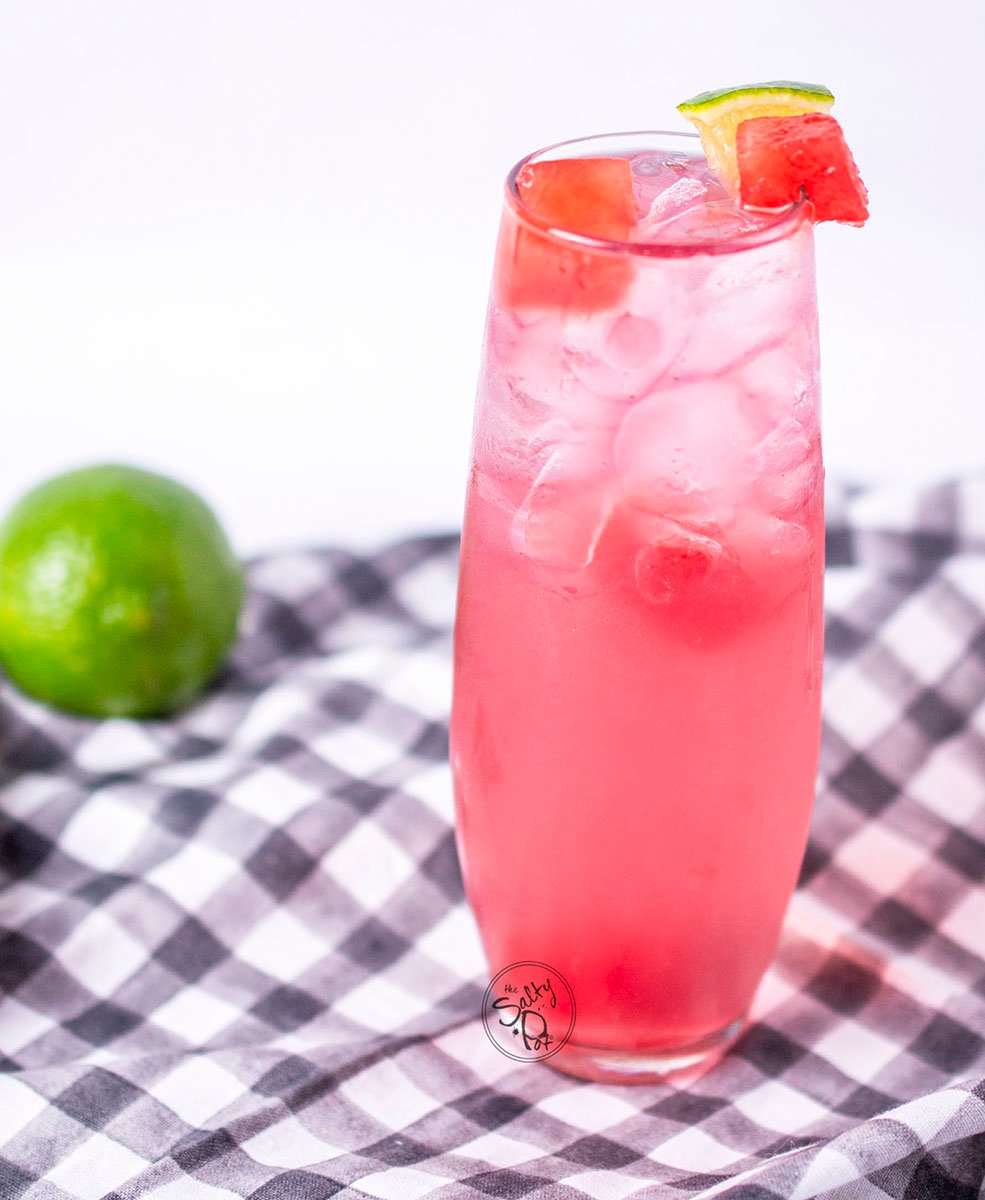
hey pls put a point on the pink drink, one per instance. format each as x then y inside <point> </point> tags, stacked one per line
<point>638,646</point>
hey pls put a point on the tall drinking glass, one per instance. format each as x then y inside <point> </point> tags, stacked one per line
<point>639,635</point>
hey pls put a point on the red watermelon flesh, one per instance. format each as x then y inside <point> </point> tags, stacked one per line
<point>779,157</point>
<point>591,196</point>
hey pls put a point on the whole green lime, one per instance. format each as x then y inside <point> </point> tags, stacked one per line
<point>119,593</point>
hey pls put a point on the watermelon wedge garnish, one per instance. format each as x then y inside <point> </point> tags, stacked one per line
<point>593,197</point>
<point>780,158</point>
<point>770,143</point>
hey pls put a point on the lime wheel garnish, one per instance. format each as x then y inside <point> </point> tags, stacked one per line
<point>717,115</point>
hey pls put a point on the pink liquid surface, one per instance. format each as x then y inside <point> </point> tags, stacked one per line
<point>638,646</point>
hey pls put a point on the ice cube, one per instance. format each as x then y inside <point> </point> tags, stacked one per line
<point>776,554</point>
<point>526,351</point>
<point>562,517</point>
<point>654,164</point>
<point>554,435</point>
<point>682,448</point>
<point>781,381</point>
<point>787,542</point>
<point>717,220</point>
<point>746,303</point>
<point>507,424</point>
<point>527,379</point>
<point>787,467</point>
<point>620,358</point>
<point>666,205</point>
<point>654,173</point>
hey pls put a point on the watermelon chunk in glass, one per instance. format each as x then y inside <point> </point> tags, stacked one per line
<point>593,196</point>
<point>779,158</point>
<point>589,196</point>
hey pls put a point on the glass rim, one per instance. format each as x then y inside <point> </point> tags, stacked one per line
<point>777,225</point>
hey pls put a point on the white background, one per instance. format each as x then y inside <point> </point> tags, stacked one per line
<point>248,242</point>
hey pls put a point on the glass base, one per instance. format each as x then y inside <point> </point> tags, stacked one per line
<point>646,1064</point>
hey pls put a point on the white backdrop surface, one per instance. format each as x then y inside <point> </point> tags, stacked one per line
<point>248,242</point>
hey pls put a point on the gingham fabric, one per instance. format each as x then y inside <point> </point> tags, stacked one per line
<point>236,959</point>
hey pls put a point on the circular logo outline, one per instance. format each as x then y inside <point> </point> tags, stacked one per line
<point>561,1041</point>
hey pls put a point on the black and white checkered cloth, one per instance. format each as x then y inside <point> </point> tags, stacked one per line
<point>236,960</point>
